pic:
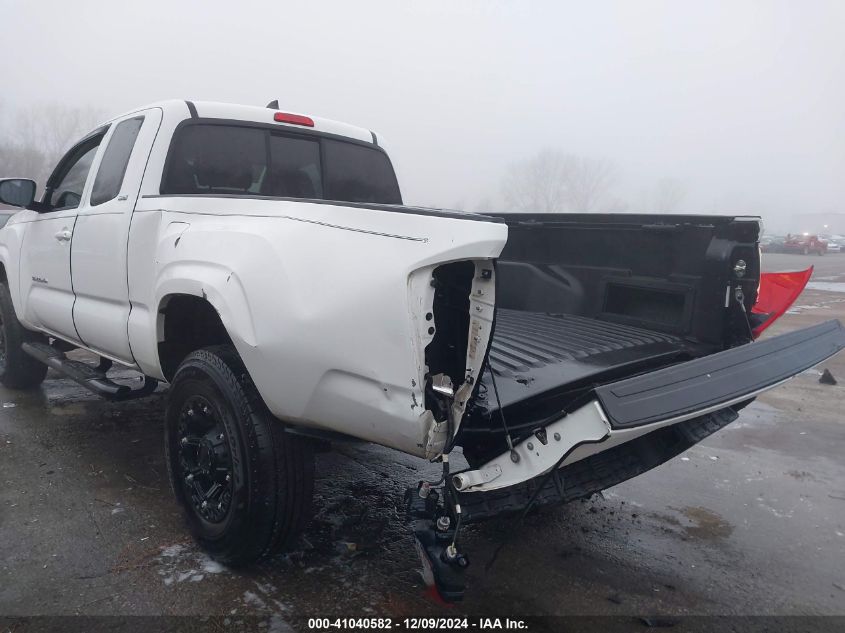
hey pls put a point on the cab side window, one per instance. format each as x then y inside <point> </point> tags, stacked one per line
<point>64,188</point>
<point>115,160</point>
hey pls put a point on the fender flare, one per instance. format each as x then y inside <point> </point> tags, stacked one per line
<point>214,283</point>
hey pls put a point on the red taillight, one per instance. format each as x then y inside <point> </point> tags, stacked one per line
<point>777,292</point>
<point>296,119</point>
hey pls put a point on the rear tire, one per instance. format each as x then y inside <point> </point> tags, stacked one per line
<point>18,370</point>
<point>224,447</point>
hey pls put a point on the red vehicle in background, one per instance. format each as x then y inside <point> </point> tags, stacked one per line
<point>806,244</point>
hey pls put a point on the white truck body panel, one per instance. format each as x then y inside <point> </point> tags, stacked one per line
<point>308,346</point>
<point>323,301</point>
<point>101,309</point>
<point>46,292</point>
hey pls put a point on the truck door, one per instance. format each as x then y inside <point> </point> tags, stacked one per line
<point>45,280</point>
<point>98,258</point>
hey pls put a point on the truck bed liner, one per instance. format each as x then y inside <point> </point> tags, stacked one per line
<point>534,352</point>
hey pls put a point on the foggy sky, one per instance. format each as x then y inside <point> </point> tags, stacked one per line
<point>744,102</point>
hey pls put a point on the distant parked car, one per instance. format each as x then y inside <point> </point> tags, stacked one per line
<point>806,244</point>
<point>772,243</point>
<point>835,243</point>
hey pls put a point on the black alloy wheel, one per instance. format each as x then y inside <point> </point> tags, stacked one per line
<point>205,460</point>
<point>244,482</point>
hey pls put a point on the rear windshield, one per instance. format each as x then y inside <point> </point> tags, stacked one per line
<point>239,160</point>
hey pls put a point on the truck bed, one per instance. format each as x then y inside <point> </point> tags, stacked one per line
<point>543,363</point>
<point>533,352</point>
<point>585,300</point>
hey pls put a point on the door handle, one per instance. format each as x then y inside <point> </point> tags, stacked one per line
<point>64,235</point>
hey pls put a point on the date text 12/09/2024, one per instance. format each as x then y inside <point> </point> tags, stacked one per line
<point>411,624</point>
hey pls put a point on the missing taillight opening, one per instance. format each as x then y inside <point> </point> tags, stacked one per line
<point>462,309</point>
<point>446,354</point>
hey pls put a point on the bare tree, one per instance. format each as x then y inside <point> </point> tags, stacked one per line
<point>485,205</point>
<point>20,160</point>
<point>616,205</point>
<point>35,137</point>
<point>591,181</point>
<point>538,184</point>
<point>553,181</point>
<point>53,127</point>
<point>668,195</point>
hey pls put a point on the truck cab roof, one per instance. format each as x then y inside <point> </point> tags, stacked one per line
<point>186,109</point>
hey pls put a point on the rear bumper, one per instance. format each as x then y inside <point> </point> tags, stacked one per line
<point>633,409</point>
<point>594,473</point>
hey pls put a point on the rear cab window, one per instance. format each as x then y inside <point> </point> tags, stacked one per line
<point>356,173</point>
<point>233,159</point>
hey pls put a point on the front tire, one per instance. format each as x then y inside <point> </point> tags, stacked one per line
<point>244,483</point>
<point>18,370</point>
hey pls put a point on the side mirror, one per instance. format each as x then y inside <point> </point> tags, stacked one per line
<point>17,192</point>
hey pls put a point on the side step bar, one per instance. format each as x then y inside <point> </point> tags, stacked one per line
<point>706,384</point>
<point>89,377</point>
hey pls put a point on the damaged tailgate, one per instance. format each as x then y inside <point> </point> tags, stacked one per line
<point>718,380</point>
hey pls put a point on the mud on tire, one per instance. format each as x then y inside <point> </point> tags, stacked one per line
<point>224,448</point>
<point>18,370</point>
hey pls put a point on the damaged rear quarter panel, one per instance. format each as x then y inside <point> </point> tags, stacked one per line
<point>329,329</point>
<point>472,285</point>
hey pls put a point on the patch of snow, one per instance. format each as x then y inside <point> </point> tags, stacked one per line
<point>278,625</point>
<point>211,566</point>
<point>180,563</point>
<point>780,515</point>
<point>182,576</point>
<point>268,589</point>
<point>172,551</point>
<point>254,600</point>
<point>827,286</point>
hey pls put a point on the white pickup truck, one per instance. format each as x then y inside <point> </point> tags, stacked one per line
<point>263,264</point>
